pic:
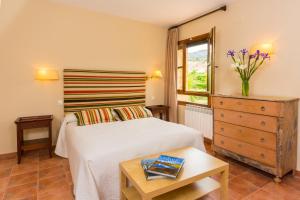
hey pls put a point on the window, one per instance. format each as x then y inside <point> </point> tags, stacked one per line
<point>194,73</point>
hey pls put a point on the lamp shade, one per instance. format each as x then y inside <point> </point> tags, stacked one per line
<point>46,74</point>
<point>157,74</point>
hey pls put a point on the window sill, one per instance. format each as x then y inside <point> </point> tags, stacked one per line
<point>184,103</point>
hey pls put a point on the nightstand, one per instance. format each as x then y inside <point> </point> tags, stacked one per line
<point>22,123</point>
<point>161,110</point>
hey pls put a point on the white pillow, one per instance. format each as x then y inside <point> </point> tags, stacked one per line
<point>70,117</point>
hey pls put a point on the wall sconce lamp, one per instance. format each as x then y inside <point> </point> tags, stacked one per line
<point>264,47</point>
<point>155,75</point>
<point>46,74</point>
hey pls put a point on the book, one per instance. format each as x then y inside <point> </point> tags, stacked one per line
<point>146,163</point>
<point>166,166</point>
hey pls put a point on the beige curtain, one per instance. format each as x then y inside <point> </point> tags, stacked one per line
<point>170,74</point>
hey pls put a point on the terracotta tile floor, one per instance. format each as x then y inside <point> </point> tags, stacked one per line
<point>39,177</point>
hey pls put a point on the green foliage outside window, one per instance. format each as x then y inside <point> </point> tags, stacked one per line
<point>197,81</point>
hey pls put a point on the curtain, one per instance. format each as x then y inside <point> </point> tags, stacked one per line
<point>170,74</point>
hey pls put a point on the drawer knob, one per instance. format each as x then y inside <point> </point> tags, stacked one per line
<point>222,115</point>
<point>222,129</point>
<point>262,139</point>
<point>221,102</point>
<point>263,123</point>
<point>240,116</point>
<point>222,142</point>
<point>262,155</point>
<point>262,108</point>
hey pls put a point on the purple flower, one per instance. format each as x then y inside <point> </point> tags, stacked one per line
<point>231,53</point>
<point>257,52</point>
<point>243,51</point>
<point>265,55</point>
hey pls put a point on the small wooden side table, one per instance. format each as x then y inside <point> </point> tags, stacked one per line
<point>22,123</point>
<point>193,181</point>
<point>162,110</point>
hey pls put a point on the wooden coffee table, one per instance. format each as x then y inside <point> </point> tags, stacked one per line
<point>193,181</point>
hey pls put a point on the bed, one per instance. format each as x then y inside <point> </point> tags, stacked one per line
<point>95,151</point>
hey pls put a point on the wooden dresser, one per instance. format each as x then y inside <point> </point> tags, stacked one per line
<point>261,132</point>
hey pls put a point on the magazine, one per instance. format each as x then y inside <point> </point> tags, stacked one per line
<point>146,163</point>
<point>166,166</point>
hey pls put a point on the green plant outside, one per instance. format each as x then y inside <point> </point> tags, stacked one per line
<point>197,81</point>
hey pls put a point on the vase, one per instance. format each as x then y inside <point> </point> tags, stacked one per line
<point>245,87</point>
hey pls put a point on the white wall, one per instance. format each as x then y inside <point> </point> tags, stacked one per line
<point>36,33</point>
<point>248,22</point>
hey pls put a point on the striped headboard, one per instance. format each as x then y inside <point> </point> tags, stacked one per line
<point>84,89</point>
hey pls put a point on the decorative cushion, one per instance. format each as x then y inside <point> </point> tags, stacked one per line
<point>132,112</point>
<point>116,116</point>
<point>94,116</point>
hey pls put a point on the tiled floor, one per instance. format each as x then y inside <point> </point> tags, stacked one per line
<point>39,177</point>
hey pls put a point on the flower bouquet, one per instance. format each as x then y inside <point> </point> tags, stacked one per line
<point>246,65</point>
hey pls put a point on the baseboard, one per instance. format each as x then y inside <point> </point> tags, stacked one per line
<point>14,154</point>
<point>8,156</point>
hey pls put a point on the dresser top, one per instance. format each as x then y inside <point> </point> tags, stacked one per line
<point>261,98</point>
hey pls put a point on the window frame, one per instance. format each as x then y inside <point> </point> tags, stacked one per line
<point>183,44</point>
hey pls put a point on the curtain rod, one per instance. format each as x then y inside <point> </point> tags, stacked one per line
<point>223,8</point>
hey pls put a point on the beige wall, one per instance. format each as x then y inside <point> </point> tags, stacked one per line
<point>254,21</point>
<point>37,33</point>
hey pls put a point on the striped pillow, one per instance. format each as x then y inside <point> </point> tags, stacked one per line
<point>132,112</point>
<point>94,116</point>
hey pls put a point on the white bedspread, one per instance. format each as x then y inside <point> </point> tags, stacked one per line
<point>95,151</point>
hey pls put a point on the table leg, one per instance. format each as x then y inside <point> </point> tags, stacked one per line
<point>124,184</point>
<point>224,183</point>
<point>19,143</point>
<point>161,116</point>
<point>50,140</point>
<point>167,115</point>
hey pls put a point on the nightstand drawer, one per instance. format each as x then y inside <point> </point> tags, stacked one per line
<point>248,135</point>
<point>259,154</point>
<point>251,106</point>
<point>260,122</point>
<point>36,124</point>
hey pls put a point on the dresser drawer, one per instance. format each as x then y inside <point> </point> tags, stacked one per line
<point>260,122</point>
<point>259,154</point>
<point>251,106</point>
<point>248,135</point>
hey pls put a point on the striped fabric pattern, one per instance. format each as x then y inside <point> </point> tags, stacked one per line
<point>133,112</point>
<point>94,116</point>
<point>88,89</point>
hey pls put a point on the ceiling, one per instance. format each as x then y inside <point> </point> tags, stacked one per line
<point>159,12</point>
